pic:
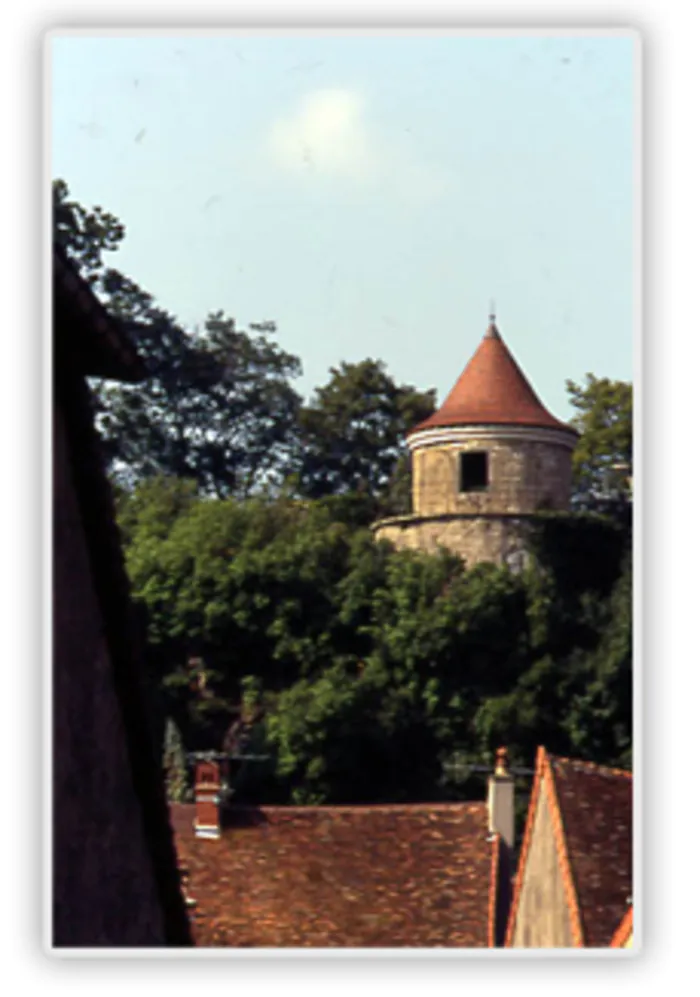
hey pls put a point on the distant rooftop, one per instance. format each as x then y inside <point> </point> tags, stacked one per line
<point>353,876</point>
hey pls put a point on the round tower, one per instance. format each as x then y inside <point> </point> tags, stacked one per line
<point>490,457</point>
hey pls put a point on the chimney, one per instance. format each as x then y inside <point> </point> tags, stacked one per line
<point>501,798</point>
<point>207,797</point>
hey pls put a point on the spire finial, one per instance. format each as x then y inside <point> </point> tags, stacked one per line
<point>492,331</point>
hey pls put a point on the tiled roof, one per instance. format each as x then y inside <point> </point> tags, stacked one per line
<point>591,809</point>
<point>595,804</point>
<point>492,390</point>
<point>351,876</point>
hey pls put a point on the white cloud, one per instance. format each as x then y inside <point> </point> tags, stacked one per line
<point>327,134</point>
<point>330,134</point>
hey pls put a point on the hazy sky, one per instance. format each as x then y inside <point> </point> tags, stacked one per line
<point>372,194</point>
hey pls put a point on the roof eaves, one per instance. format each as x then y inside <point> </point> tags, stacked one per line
<point>623,931</point>
<point>592,767</point>
<point>456,423</point>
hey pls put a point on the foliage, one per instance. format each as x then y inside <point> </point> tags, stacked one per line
<point>174,764</point>
<point>602,460</point>
<point>351,432</point>
<point>564,541</point>
<point>364,672</point>
<point>84,234</point>
<point>276,621</point>
<point>218,406</point>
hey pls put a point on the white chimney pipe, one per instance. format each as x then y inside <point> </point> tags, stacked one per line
<point>501,800</point>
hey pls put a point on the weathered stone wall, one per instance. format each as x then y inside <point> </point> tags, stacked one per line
<point>525,476</point>
<point>542,918</point>
<point>498,539</point>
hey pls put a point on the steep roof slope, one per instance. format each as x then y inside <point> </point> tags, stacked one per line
<point>595,803</point>
<point>351,876</point>
<point>591,807</point>
<point>492,390</point>
<point>83,328</point>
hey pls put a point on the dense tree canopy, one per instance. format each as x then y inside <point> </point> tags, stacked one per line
<point>352,430</point>
<point>275,621</point>
<point>602,461</point>
<point>377,668</point>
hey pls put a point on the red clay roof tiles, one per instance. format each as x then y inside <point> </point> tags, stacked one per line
<point>492,390</point>
<point>595,803</point>
<point>591,808</point>
<point>350,876</point>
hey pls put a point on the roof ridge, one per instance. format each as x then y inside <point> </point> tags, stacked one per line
<point>581,762</point>
<point>346,807</point>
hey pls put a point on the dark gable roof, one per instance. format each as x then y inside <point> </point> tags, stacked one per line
<point>351,876</point>
<point>84,330</point>
<point>595,804</point>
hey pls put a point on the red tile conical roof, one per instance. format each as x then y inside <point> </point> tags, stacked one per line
<point>492,390</point>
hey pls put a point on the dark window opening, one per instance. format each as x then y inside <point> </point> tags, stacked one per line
<point>473,471</point>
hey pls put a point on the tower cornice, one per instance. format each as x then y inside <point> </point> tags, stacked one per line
<point>433,436</point>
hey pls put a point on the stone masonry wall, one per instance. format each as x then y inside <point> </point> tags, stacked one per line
<point>525,476</point>
<point>498,539</point>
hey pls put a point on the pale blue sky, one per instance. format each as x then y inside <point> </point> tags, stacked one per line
<point>370,194</point>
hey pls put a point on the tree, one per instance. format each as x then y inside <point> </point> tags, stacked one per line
<point>85,235</point>
<point>374,669</point>
<point>599,718</point>
<point>352,431</point>
<point>602,459</point>
<point>174,764</point>
<point>218,406</point>
<point>218,409</point>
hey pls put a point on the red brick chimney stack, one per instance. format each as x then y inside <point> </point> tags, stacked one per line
<point>207,796</point>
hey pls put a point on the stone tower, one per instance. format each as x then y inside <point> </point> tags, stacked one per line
<point>485,462</point>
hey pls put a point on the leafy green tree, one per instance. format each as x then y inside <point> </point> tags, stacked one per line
<point>147,513</point>
<point>374,669</point>
<point>381,727</point>
<point>84,234</point>
<point>602,460</point>
<point>352,431</point>
<point>218,406</point>
<point>219,409</point>
<point>175,764</point>
<point>599,718</point>
<point>352,738</point>
<point>251,587</point>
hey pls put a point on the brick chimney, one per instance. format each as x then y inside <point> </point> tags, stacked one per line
<point>501,800</point>
<point>207,797</point>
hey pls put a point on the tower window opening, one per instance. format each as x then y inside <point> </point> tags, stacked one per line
<point>473,471</point>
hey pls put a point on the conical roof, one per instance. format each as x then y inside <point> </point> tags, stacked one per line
<point>492,390</point>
